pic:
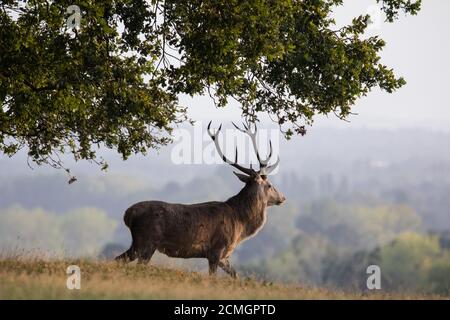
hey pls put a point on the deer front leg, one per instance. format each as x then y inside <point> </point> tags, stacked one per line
<point>226,266</point>
<point>213,260</point>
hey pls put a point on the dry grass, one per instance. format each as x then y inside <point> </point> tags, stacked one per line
<point>46,279</point>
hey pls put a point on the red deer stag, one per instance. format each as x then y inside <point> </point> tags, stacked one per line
<point>210,230</point>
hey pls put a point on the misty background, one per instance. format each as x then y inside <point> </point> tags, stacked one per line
<point>375,190</point>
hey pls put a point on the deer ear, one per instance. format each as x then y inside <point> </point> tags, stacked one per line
<point>244,178</point>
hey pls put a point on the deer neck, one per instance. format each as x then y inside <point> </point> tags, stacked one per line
<point>250,209</point>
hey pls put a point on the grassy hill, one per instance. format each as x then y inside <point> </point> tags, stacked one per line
<point>41,279</point>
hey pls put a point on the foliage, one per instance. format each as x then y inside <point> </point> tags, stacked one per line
<point>407,260</point>
<point>337,242</point>
<point>438,279</point>
<point>411,263</point>
<point>116,80</point>
<point>357,226</point>
<point>79,232</point>
<point>86,230</point>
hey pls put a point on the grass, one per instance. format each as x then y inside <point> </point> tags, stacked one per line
<point>46,279</point>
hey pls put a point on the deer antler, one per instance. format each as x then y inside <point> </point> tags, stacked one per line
<point>264,169</point>
<point>252,135</point>
<point>213,136</point>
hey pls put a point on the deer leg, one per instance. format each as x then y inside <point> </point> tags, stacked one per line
<point>124,257</point>
<point>213,267</point>
<point>213,260</point>
<point>146,254</point>
<point>127,256</point>
<point>226,266</point>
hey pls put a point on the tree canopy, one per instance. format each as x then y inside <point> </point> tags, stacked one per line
<point>115,80</point>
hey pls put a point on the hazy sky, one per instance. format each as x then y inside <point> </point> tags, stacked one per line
<point>417,47</point>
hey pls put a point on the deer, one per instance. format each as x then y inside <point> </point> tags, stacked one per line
<point>210,230</point>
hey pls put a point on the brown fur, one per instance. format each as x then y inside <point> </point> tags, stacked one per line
<point>210,230</point>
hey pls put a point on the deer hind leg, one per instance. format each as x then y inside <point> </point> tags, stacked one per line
<point>146,254</point>
<point>213,260</point>
<point>127,256</point>
<point>226,266</point>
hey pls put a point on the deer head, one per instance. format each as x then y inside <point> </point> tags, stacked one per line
<point>255,180</point>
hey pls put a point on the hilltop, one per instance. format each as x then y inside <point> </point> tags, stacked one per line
<point>41,279</point>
